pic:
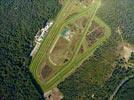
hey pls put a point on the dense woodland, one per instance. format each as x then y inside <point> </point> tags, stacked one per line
<point>97,78</point>
<point>119,13</point>
<point>127,90</point>
<point>77,88</point>
<point>19,22</point>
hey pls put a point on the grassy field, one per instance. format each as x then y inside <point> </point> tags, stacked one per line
<point>64,18</point>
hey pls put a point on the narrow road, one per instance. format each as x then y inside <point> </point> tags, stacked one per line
<point>119,86</point>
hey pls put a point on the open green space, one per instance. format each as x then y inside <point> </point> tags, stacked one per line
<point>51,43</point>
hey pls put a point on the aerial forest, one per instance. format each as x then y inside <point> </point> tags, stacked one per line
<point>20,20</point>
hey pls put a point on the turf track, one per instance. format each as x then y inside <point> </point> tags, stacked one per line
<point>52,37</point>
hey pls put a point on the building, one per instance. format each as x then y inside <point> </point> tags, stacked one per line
<point>39,37</point>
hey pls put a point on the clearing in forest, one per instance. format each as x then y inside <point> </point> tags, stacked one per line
<point>74,37</point>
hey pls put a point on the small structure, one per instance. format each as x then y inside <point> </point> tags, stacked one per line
<point>67,34</point>
<point>40,34</point>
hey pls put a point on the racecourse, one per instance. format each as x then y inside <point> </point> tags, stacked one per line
<point>53,35</point>
<point>72,66</point>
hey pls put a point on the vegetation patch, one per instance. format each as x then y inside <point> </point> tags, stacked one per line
<point>61,52</point>
<point>95,32</point>
<point>46,71</point>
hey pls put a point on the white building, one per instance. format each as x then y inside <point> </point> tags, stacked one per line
<point>39,37</point>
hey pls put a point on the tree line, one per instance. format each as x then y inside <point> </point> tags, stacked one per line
<point>19,22</point>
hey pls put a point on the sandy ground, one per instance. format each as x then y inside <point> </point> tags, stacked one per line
<point>53,94</point>
<point>127,50</point>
